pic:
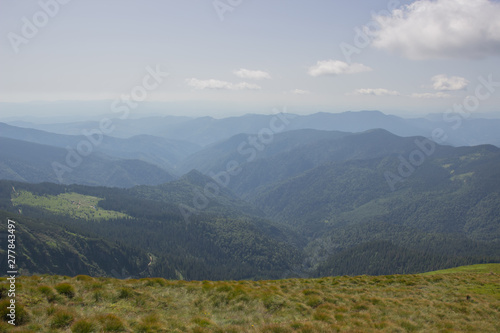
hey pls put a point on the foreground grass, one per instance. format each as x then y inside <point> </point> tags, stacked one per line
<point>463,301</point>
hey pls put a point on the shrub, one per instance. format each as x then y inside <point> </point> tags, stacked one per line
<point>21,314</point>
<point>62,318</point>
<point>125,293</point>
<point>83,326</point>
<point>51,310</point>
<point>321,316</point>
<point>149,323</point>
<point>151,319</point>
<point>273,303</point>
<point>65,289</point>
<point>97,295</point>
<point>111,323</point>
<point>47,292</point>
<point>314,301</point>
<point>308,292</point>
<point>151,282</point>
<point>96,285</point>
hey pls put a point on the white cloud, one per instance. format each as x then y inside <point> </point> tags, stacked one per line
<point>252,75</point>
<point>245,85</point>
<point>300,92</point>
<point>375,92</point>
<point>336,67</point>
<point>441,29</point>
<point>430,95</point>
<point>442,82</point>
<point>217,84</point>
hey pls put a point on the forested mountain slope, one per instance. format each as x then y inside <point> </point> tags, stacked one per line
<point>219,242</point>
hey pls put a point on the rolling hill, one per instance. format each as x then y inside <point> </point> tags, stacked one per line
<point>36,163</point>
<point>164,153</point>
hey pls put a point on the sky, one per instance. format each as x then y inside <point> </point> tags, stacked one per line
<point>231,57</point>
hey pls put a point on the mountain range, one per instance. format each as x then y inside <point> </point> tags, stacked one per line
<point>252,197</point>
<point>460,129</point>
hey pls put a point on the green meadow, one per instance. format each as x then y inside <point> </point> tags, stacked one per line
<point>73,205</point>
<point>465,299</point>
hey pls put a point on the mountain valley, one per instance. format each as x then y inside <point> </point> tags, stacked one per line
<point>292,203</point>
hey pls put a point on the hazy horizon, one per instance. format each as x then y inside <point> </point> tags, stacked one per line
<point>56,112</point>
<point>221,58</point>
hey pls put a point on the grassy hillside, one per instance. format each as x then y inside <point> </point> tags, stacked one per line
<point>463,300</point>
<point>483,268</point>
